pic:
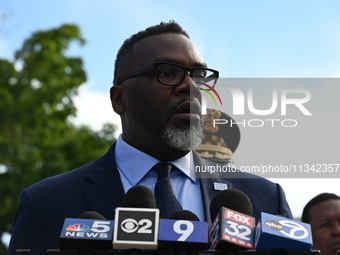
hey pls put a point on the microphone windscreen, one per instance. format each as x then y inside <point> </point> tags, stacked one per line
<point>91,215</point>
<point>139,196</point>
<point>184,215</point>
<point>233,199</point>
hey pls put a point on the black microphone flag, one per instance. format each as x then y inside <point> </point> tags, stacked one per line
<point>136,228</point>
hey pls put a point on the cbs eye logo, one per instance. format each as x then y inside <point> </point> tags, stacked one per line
<point>143,226</point>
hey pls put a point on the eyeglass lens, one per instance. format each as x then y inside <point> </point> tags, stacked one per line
<point>173,75</point>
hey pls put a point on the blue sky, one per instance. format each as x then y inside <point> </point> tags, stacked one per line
<point>239,38</point>
<point>244,39</point>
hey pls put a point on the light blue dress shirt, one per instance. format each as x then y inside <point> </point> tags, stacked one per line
<point>134,169</point>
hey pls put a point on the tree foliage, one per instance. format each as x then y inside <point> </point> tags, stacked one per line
<point>36,138</point>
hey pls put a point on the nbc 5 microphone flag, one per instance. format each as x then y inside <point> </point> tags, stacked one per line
<point>91,233</point>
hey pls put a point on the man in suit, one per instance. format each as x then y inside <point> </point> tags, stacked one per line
<point>158,100</point>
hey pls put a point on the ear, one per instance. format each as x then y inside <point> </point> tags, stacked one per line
<point>117,101</point>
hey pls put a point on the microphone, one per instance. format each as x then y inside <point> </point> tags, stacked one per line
<point>91,231</point>
<point>91,215</point>
<point>183,232</point>
<point>184,215</point>
<point>276,232</point>
<point>137,222</point>
<point>139,196</point>
<point>232,229</point>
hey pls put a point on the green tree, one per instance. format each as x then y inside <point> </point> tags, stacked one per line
<point>36,138</point>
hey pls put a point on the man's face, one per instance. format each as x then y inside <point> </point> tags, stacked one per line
<point>325,224</point>
<point>171,112</point>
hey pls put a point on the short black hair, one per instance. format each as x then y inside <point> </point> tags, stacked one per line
<point>314,201</point>
<point>162,28</point>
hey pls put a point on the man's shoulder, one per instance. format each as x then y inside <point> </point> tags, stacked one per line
<point>249,180</point>
<point>230,173</point>
<point>63,180</point>
<point>90,172</point>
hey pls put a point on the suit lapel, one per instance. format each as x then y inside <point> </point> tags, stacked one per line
<point>104,191</point>
<point>207,182</point>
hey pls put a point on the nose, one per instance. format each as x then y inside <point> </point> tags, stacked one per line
<point>188,86</point>
<point>336,229</point>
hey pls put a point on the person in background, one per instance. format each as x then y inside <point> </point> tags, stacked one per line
<point>323,214</point>
<point>219,141</point>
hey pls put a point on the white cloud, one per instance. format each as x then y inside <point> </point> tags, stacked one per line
<point>94,109</point>
<point>4,49</point>
<point>300,190</point>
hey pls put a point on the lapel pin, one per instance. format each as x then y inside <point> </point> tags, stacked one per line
<point>220,186</point>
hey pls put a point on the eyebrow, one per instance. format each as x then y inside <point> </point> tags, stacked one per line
<point>169,60</point>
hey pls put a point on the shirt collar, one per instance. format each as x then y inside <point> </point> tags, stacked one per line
<point>135,164</point>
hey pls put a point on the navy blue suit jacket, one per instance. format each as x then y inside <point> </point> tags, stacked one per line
<point>97,187</point>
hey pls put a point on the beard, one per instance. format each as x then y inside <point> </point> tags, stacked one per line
<point>182,139</point>
<point>151,117</point>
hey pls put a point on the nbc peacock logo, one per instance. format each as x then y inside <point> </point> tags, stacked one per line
<point>78,228</point>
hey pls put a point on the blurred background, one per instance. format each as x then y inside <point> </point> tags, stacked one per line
<point>56,66</point>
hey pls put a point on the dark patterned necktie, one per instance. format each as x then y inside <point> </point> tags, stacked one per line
<point>166,200</point>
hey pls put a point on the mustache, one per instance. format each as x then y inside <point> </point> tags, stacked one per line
<point>174,106</point>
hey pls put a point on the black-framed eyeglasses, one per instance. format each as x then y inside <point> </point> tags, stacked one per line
<point>171,74</point>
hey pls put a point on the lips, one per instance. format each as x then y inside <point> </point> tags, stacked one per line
<point>188,107</point>
<point>335,245</point>
<point>189,110</point>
